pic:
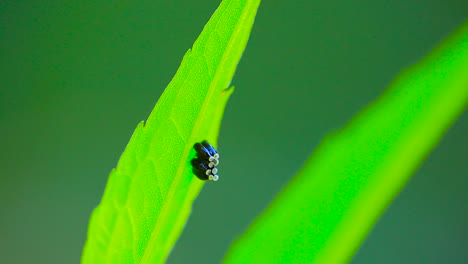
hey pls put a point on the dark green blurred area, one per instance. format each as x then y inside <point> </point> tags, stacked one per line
<point>76,78</point>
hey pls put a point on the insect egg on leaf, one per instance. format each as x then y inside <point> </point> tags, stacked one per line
<point>204,166</point>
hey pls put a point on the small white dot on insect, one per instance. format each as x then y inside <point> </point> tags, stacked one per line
<point>215,177</point>
<point>211,164</point>
<point>216,156</point>
<point>214,170</point>
<point>208,172</point>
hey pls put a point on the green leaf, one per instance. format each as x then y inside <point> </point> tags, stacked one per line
<point>149,195</point>
<point>325,212</point>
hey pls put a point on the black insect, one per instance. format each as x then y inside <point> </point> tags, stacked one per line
<point>206,151</point>
<point>204,166</point>
<point>203,172</point>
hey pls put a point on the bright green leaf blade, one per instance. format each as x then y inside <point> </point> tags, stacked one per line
<point>326,211</point>
<point>149,195</point>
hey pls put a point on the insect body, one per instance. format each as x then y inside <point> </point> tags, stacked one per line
<point>203,172</point>
<point>204,166</point>
<point>206,151</point>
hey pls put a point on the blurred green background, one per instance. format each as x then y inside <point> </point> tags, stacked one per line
<point>77,77</point>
